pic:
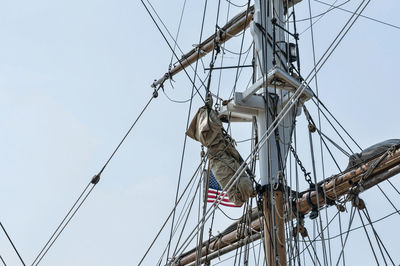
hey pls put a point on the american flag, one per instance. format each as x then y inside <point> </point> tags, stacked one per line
<point>215,193</point>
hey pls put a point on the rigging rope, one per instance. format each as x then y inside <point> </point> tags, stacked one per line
<point>81,199</point>
<point>170,214</point>
<point>323,13</point>
<point>292,101</point>
<point>2,260</point>
<point>170,35</point>
<point>11,242</point>
<point>285,110</point>
<point>236,5</point>
<point>177,33</point>
<point>332,6</point>
<point>187,122</point>
<point>378,239</point>
<point>171,48</point>
<point>363,16</point>
<point>369,240</point>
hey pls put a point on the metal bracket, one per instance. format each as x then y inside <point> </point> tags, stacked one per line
<point>280,79</point>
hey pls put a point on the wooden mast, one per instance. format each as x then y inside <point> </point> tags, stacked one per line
<point>274,229</point>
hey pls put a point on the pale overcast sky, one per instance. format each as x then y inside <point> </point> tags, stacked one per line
<point>75,74</point>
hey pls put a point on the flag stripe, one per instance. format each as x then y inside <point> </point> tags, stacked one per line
<point>216,194</point>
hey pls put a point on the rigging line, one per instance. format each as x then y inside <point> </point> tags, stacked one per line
<point>190,208</point>
<point>227,216</point>
<point>185,209</point>
<point>178,31</point>
<point>318,204</point>
<point>347,235</point>
<point>217,104</point>
<point>170,214</point>
<point>337,132</point>
<point>231,257</point>
<point>329,9</point>
<point>367,17</point>
<point>309,118</point>
<point>188,121</point>
<point>176,101</point>
<point>359,227</point>
<point>393,186</point>
<point>15,249</point>
<point>241,49</point>
<point>206,181</point>
<point>186,101</point>
<point>369,240</point>
<point>169,45</point>
<point>245,140</point>
<point>315,238</point>
<point>63,227</point>
<point>334,118</point>
<point>238,73</point>
<point>61,223</point>
<point>154,95</point>
<point>366,213</point>
<point>376,238</point>
<point>94,181</point>
<point>236,53</point>
<point>319,125</point>
<point>314,251</point>
<point>296,95</point>
<point>334,143</point>
<point>341,234</point>
<point>170,35</point>
<point>338,39</point>
<point>4,263</point>
<point>391,203</point>
<point>215,51</point>
<point>343,32</point>
<point>322,14</point>
<point>212,209</point>
<point>236,5</point>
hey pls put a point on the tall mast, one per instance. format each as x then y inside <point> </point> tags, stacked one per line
<point>270,168</point>
<point>266,100</point>
<point>274,86</point>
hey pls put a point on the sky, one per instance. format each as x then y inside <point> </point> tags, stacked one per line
<point>75,74</point>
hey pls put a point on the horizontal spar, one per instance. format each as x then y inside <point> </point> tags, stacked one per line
<point>335,187</point>
<point>234,26</point>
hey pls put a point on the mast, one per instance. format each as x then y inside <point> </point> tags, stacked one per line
<point>271,56</point>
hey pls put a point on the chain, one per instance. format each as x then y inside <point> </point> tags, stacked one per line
<point>306,174</point>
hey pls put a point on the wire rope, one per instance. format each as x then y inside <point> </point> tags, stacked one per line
<point>363,16</point>
<point>170,214</point>
<point>2,261</point>
<point>94,181</point>
<point>12,244</point>
<point>369,239</point>
<point>169,34</point>
<point>170,47</point>
<point>236,5</point>
<point>329,9</point>
<point>187,124</point>
<point>323,13</point>
<point>294,98</point>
